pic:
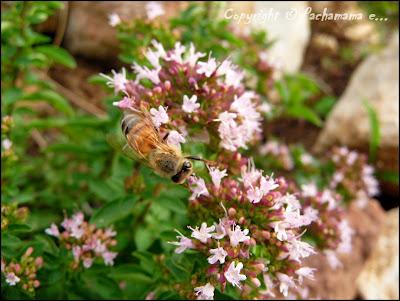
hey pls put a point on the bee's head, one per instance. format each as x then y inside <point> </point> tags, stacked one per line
<point>184,172</point>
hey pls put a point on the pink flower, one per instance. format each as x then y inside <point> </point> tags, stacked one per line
<point>267,185</point>
<point>146,73</point>
<point>309,190</point>
<point>265,107</point>
<point>250,174</point>
<point>76,252</point>
<point>118,80</point>
<point>159,116</point>
<point>310,215</point>
<point>189,104</point>
<point>12,279</point>
<point>216,175</point>
<point>114,19</point>
<point>208,67</point>
<point>203,234</point>
<point>125,103</point>
<point>109,257</point>
<point>254,195</point>
<point>193,56</point>
<point>280,230</point>
<point>306,159</point>
<point>205,292</point>
<point>174,138</point>
<point>220,229</point>
<point>285,283</point>
<point>110,232</point>
<point>198,187</point>
<point>346,233</point>
<point>87,262</point>
<point>183,243</point>
<point>243,104</point>
<point>218,254</point>
<point>53,231</point>
<point>299,249</point>
<point>332,259</point>
<point>236,235</point>
<point>176,54</point>
<point>3,265</point>
<point>6,144</point>
<point>154,9</point>
<point>76,232</point>
<point>305,272</point>
<point>233,275</point>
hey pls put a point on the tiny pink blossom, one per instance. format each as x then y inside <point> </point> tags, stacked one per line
<point>236,235</point>
<point>189,104</point>
<point>154,9</point>
<point>109,257</point>
<point>174,138</point>
<point>12,279</point>
<point>159,116</point>
<point>306,159</point>
<point>176,54</point>
<point>125,103</point>
<point>305,272</point>
<point>193,56</point>
<point>265,107</point>
<point>309,190</point>
<point>146,73</point>
<point>118,80</point>
<point>254,195</point>
<point>220,229</point>
<point>250,174</point>
<point>217,175</point>
<point>233,275</point>
<point>76,252</point>
<point>87,262</point>
<point>218,254</point>
<point>286,282</point>
<point>183,243</point>
<point>332,259</point>
<point>198,187</point>
<point>202,234</point>
<point>208,67</point>
<point>267,185</point>
<point>114,19</point>
<point>205,292</point>
<point>53,231</point>
<point>6,144</point>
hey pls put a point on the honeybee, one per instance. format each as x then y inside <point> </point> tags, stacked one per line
<point>148,147</point>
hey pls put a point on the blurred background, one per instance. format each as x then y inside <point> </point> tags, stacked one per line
<point>345,63</point>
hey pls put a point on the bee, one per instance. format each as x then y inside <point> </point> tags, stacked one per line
<point>151,149</point>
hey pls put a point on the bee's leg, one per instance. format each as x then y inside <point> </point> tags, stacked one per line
<point>208,162</point>
<point>165,137</point>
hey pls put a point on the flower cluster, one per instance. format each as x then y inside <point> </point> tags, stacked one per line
<point>10,213</point>
<point>279,152</point>
<point>7,150</point>
<point>188,96</point>
<point>23,273</point>
<point>85,241</point>
<point>330,231</point>
<point>353,176</point>
<point>262,226</point>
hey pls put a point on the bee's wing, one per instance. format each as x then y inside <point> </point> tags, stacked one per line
<point>118,142</point>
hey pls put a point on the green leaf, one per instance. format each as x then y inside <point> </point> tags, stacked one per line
<point>97,79</point>
<point>18,228</point>
<point>53,98</point>
<point>388,176</point>
<point>374,130</point>
<point>83,121</point>
<point>324,106</point>
<point>305,113</point>
<point>113,211</point>
<point>57,54</point>
<point>144,237</point>
<point>10,96</point>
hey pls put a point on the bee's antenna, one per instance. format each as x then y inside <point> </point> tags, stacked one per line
<point>208,162</point>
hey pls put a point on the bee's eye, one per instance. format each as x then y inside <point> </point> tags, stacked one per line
<point>186,165</point>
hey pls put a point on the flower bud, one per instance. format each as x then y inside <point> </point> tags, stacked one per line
<point>231,212</point>
<point>256,282</point>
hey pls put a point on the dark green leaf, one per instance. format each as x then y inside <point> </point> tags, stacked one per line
<point>57,54</point>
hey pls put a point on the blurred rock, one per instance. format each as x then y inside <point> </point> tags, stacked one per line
<point>340,283</point>
<point>88,33</point>
<point>325,43</point>
<point>379,278</point>
<point>291,35</point>
<point>375,80</point>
